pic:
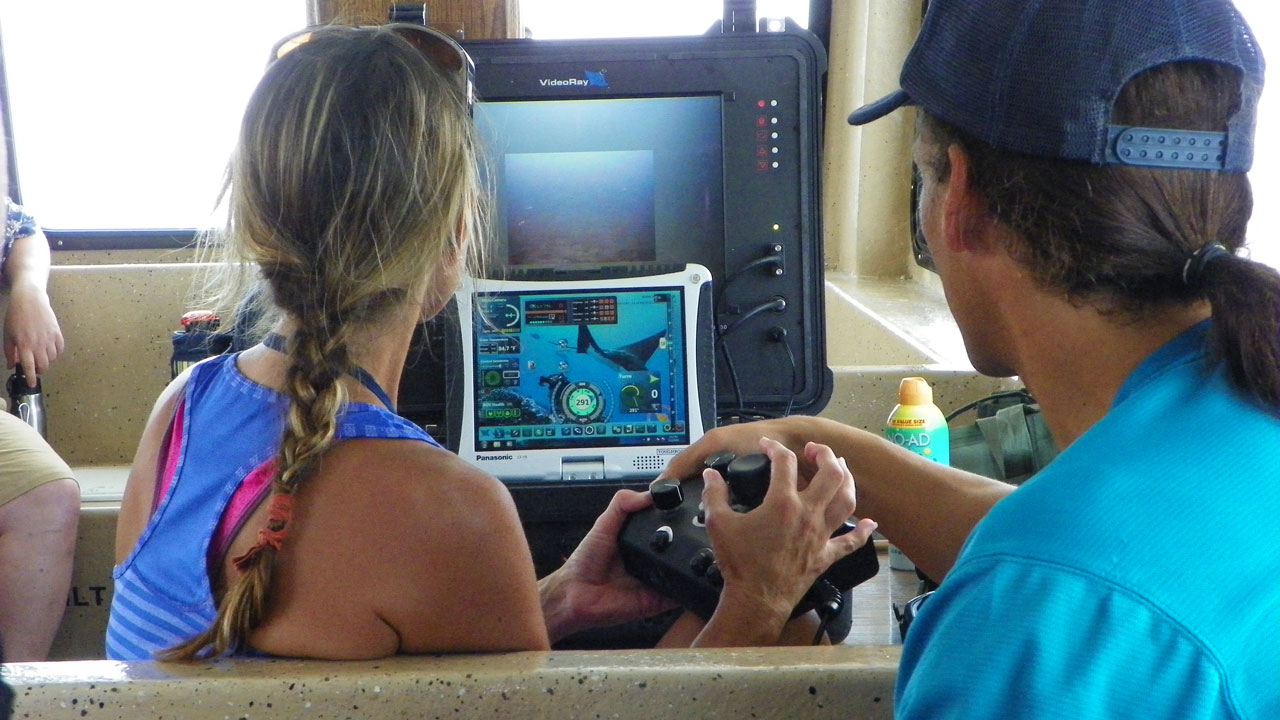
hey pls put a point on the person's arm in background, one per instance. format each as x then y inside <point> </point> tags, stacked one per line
<point>32,337</point>
<point>924,508</point>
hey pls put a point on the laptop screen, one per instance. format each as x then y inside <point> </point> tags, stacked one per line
<point>580,369</point>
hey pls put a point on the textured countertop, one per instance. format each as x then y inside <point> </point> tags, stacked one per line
<point>820,682</point>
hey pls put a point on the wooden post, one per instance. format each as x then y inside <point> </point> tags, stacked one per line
<point>466,19</point>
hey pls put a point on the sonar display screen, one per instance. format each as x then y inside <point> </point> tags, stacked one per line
<point>582,369</point>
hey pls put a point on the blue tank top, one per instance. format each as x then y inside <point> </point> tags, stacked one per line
<point>163,595</point>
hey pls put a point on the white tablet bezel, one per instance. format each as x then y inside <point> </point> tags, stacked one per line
<point>620,463</point>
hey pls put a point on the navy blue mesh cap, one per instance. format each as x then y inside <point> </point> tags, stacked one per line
<point>1041,76</point>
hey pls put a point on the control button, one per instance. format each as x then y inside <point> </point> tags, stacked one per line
<point>666,494</point>
<point>701,561</point>
<point>662,538</point>
<point>700,519</point>
<point>719,461</point>
<point>714,577</point>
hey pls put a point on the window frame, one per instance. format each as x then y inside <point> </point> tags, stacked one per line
<point>106,239</point>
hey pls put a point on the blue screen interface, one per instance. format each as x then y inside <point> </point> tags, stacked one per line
<point>580,369</point>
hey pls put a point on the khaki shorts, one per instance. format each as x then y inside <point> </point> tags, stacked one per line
<point>26,460</point>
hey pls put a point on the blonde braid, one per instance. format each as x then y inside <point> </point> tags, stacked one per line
<point>319,357</point>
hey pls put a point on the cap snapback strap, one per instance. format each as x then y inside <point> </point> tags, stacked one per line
<point>1156,147</point>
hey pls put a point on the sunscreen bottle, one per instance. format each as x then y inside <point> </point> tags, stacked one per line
<point>919,426</point>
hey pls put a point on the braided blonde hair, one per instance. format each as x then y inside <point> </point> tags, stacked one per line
<point>354,176</point>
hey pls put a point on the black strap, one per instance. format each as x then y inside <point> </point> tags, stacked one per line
<point>276,342</point>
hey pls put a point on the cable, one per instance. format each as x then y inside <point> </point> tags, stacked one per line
<point>822,628</point>
<point>777,304</point>
<point>779,334</point>
<point>728,280</point>
<point>762,261</point>
<point>744,414</point>
<point>830,603</point>
<point>733,371</point>
<point>758,262</point>
<point>1022,394</point>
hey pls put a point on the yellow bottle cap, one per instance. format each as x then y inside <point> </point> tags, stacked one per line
<point>915,391</point>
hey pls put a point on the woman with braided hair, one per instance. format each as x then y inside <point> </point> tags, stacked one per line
<point>276,504</point>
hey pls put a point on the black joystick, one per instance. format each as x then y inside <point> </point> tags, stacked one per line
<point>748,479</point>
<point>666,546</point>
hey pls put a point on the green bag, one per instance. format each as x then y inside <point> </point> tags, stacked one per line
<point>1009,441</point>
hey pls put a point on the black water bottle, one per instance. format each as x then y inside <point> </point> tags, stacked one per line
<point>27,402</point>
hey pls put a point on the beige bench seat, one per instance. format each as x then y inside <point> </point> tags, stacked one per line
<point>820,682</point>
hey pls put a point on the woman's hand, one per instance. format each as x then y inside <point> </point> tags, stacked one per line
<point>592,589</point>
<point>32,337</point>
<point>770,556</point>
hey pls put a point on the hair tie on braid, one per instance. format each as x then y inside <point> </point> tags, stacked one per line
<point>279,512</point>
<point>1193,269</point>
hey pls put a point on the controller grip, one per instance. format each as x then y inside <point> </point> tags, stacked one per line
<point>844,574</point>
<point>667,548</point>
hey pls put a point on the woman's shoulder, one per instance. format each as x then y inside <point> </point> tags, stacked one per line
<point>412,475</point>
<point>411,535</point>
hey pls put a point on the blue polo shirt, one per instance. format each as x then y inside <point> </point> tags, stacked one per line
<point>1137,576</point>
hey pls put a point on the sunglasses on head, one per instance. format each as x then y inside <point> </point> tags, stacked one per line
<point>437,47</point>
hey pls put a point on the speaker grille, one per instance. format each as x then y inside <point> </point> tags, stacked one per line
<point>649,462</point>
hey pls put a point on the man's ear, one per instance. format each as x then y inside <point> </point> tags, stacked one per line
<point>965,215</point>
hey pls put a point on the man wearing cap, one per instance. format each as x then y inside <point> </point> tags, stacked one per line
<point>1084,200</point>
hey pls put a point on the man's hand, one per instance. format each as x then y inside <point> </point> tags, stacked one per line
<point>770,556</point>
<point>793,432</point>
<point>592,589</point>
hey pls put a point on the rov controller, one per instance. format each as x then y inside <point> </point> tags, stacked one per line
<point>667,547</point>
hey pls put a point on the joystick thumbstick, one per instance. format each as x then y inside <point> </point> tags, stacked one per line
<point>666,494</point>
<point>702,561</point>
<point>748,479</point>
<point>662,538</point>
<point>714,577</point>
<point>720,462</point>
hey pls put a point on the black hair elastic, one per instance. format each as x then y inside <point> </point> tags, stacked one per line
<point>1194,268</point>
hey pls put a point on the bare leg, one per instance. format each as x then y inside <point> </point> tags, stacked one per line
<point>37,546</point>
